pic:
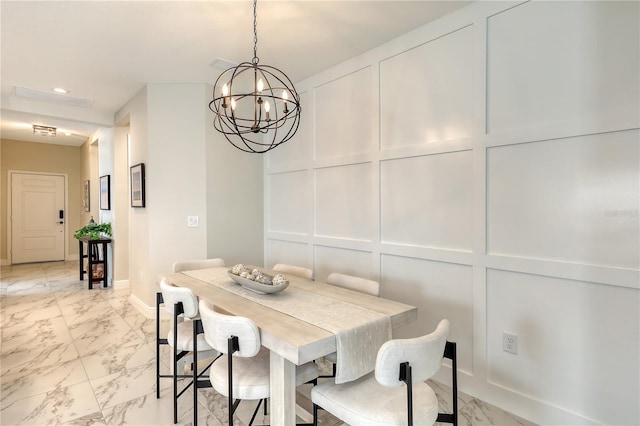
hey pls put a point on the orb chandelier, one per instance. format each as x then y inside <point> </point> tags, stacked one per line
<point>256,106</point>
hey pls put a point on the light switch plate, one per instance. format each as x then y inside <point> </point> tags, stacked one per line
<point>192,221</point>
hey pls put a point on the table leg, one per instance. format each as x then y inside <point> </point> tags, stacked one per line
<point>283,391</point>
<point>81,251</point>
<point>105,275</point>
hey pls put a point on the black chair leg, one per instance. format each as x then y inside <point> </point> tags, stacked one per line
<point>159,301</point>
<point>405,376</point>
<point>451,353</point>
<point>178,310</point>
<point>176,356</point>
<point>315,415</point>
<point>255,412</point>
<point>195,372</point>
<point>175,369</point>
<point>232,347</point>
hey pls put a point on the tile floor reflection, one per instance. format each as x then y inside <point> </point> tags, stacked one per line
<point>72,356</point>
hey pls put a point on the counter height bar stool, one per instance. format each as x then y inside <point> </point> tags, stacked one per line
<point>243,371</point>
<point>190,265</point>
<point>379,398</point>
<point>185,336</point>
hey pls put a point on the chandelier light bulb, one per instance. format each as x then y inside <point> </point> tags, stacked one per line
<point>260,85</point>
<point>225,96</point>
<point>233,104</point>
<point>267,108</point>
<point>285,97</point>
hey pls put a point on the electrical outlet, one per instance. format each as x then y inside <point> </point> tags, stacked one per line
<point>510,343</point>
<point>192,221</point>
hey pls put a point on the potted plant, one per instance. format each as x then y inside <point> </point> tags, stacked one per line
<point>93,230</point>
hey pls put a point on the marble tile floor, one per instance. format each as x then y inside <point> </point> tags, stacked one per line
<point>73,356</point>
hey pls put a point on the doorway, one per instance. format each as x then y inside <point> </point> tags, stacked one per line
<point>37,217</point>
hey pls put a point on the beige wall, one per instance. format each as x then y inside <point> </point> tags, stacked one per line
<point>43,158</point>
<point>88,168</point>
<point>189,171</point>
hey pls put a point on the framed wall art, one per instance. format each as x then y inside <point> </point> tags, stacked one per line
<point>105,192</point>
<point>137,185</point>
<point>86,196</point>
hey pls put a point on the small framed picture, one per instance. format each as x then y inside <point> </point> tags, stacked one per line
<point>137,185</point>
<point>85,196</point>
<point>105,192</point>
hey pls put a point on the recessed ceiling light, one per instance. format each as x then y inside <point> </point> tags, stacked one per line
<point>67,133</point>
<point>51,96</point>
<point>60,90</point>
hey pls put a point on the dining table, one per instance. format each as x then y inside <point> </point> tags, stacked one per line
<point>304,322</point>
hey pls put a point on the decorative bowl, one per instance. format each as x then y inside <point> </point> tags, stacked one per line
<point>256,286</point>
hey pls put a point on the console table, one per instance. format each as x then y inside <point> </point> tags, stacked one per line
<point>96,255</point>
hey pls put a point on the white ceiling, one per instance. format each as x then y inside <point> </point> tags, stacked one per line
<point>107,51</point>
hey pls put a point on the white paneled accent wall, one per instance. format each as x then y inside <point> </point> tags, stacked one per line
<point>333,125</point>
<point>571,63</point>
<point>486,169</point>
<point>343,203</point>
<point>283,215</point>
<point>425,92</point>
<point>572,199</point>
<point>581,333</point>
<point>409,280</point>
<point>347,261</point>
<point>439,215</point>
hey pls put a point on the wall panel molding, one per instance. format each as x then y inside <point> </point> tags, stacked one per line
<point>460,221</point>
<point>619,277</point>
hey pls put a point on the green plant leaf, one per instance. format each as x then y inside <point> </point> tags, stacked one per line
<point>93,231</point>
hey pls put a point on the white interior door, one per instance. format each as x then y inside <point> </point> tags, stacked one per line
<point>37,217</point>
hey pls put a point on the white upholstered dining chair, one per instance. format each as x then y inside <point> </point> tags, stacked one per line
<point>396,392</point>
<point>294,270</point>
<point>243,370</point>
<point>350,282</point>
<point>185,336</point>
<point>189,265</point>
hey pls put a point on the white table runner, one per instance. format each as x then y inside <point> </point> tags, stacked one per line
<point>359,332</point>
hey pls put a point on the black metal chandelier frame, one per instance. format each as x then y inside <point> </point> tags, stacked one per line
<point>255,121</point>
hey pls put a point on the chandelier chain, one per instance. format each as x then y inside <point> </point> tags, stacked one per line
<point>255,33</point>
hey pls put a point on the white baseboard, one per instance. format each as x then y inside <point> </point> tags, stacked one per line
<point>68,258</point>
<point>148,311</point>
<point>120,284</point>
<point>527,407</point>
